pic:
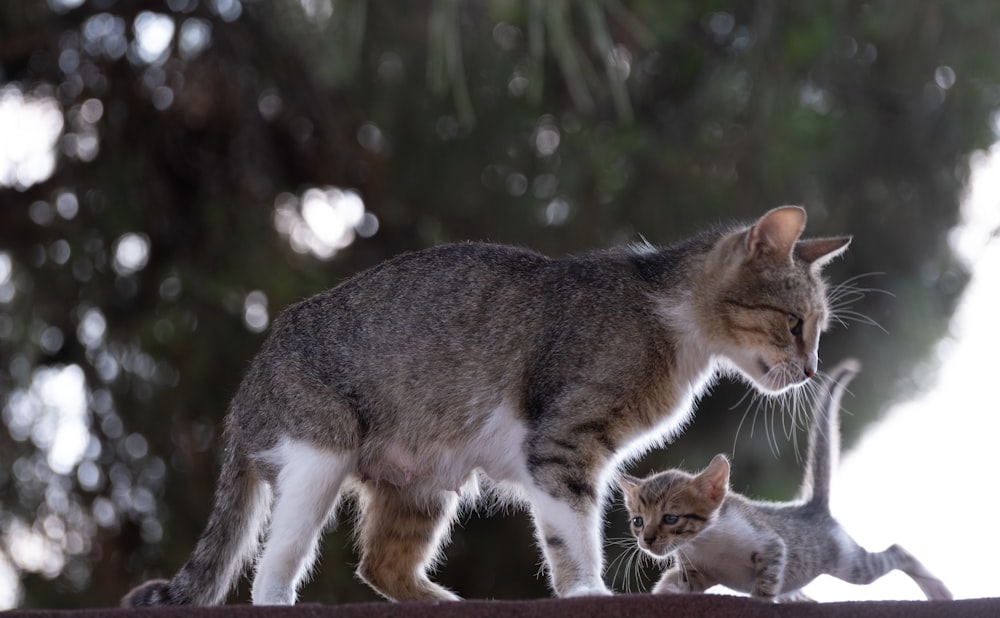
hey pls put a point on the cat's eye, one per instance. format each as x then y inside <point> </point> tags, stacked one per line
<point>670,519</point>
<point>795,325</point>
<point>637,522</point>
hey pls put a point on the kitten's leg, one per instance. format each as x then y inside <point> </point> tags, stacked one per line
<point>796,596</point>
<point>570,537</point>
<point>305,494</point>
<point>863,567</point>
<point>400,535</point>
<point>769,569</point>
<point>682,579</point>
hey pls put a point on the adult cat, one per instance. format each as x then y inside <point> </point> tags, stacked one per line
<point>408,382</point>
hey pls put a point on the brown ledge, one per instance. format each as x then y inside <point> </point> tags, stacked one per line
<point>622,606</point>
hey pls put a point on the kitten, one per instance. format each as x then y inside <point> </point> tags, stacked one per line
<point>770,550</point>
<point>408,383</point>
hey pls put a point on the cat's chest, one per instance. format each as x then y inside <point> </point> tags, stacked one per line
<point>663,411</point>
<point>727,550</point>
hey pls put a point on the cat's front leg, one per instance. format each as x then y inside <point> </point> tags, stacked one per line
<point>569,533</point>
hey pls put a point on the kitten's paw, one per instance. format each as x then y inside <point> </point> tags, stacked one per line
<point>934,589</point>
<point>587,591</point>
<point>670,588</point>
<point>763,596</point>
<point>155,592</point>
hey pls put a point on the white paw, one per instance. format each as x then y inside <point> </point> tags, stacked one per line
<point>273,594</point>
<point>588,591</point>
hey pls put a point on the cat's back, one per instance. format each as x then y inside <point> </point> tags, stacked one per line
<point>439,271</point>
<point>431,283</point>
<point>470,288</point>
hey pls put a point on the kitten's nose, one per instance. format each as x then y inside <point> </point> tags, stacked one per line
<point>809,370</point>
<point>649,539</point>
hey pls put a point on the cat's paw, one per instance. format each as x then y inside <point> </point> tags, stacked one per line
<point>583,590</point>
<point>668,587</point>
<point>765,596</point>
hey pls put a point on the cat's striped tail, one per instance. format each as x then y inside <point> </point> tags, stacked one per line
<point>824,436</point>
<point>227,544</point>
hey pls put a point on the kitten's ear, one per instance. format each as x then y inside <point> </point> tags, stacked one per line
<point>714,480</point>
<point>627,482</point>
<point>819,251</point>
<point>775,234</point>
<point>629,486</point>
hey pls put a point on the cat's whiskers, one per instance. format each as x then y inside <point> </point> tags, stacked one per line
<point>842,295</point>
<point>771,404</point>
<point>638,560</point>
<point>628,564</point>
<point>796,411</point>
<point>757,402</point>
<point>792,406</point>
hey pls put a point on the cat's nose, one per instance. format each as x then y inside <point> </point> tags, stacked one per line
<point>809,365</point>
<point>650,539</point>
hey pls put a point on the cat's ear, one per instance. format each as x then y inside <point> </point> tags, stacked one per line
<point>714,480</point>
<point>819,251</point>
<point>775,234</point>
<point>630,488</point>
<point>627,482</point>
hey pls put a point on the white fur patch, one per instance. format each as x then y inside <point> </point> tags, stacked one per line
<point>581,533</point>
<point>499,447</point>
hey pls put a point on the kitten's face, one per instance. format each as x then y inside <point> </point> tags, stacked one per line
<point>668,509</point>
<point>766,307</point>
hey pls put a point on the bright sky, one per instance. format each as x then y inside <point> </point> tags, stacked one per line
<point>925,476</point>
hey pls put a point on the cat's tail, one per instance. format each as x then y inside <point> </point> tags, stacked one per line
<point>824,436</point>
<point>229,541</point>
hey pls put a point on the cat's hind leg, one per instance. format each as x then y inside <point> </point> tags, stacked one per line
<point>864,567</point>
<point>400,534</point>
<point>305,495</point>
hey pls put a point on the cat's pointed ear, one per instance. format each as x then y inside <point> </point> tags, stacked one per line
<point>819,251</point>
<point>714,480</point>
<point>629,486</point>
<point>775,234</point>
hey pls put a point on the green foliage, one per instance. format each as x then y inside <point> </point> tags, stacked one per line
<point>557,125</point>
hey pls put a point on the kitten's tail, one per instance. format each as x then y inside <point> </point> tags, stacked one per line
<point>228,542</point>
<point>824,436</point>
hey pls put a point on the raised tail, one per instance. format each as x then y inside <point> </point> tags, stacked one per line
<point>229,541</point>
<point>824,435</point>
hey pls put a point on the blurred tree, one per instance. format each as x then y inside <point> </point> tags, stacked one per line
<point>174,173</point>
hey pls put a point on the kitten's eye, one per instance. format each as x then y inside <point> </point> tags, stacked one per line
<point>670,520</point>
<point>637,522</point>
<point>795,325</point>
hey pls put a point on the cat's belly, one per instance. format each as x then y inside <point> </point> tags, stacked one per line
<point>496,449</point>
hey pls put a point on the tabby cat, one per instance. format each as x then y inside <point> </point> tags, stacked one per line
<point>408,384</point>
<point>770,550</point>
